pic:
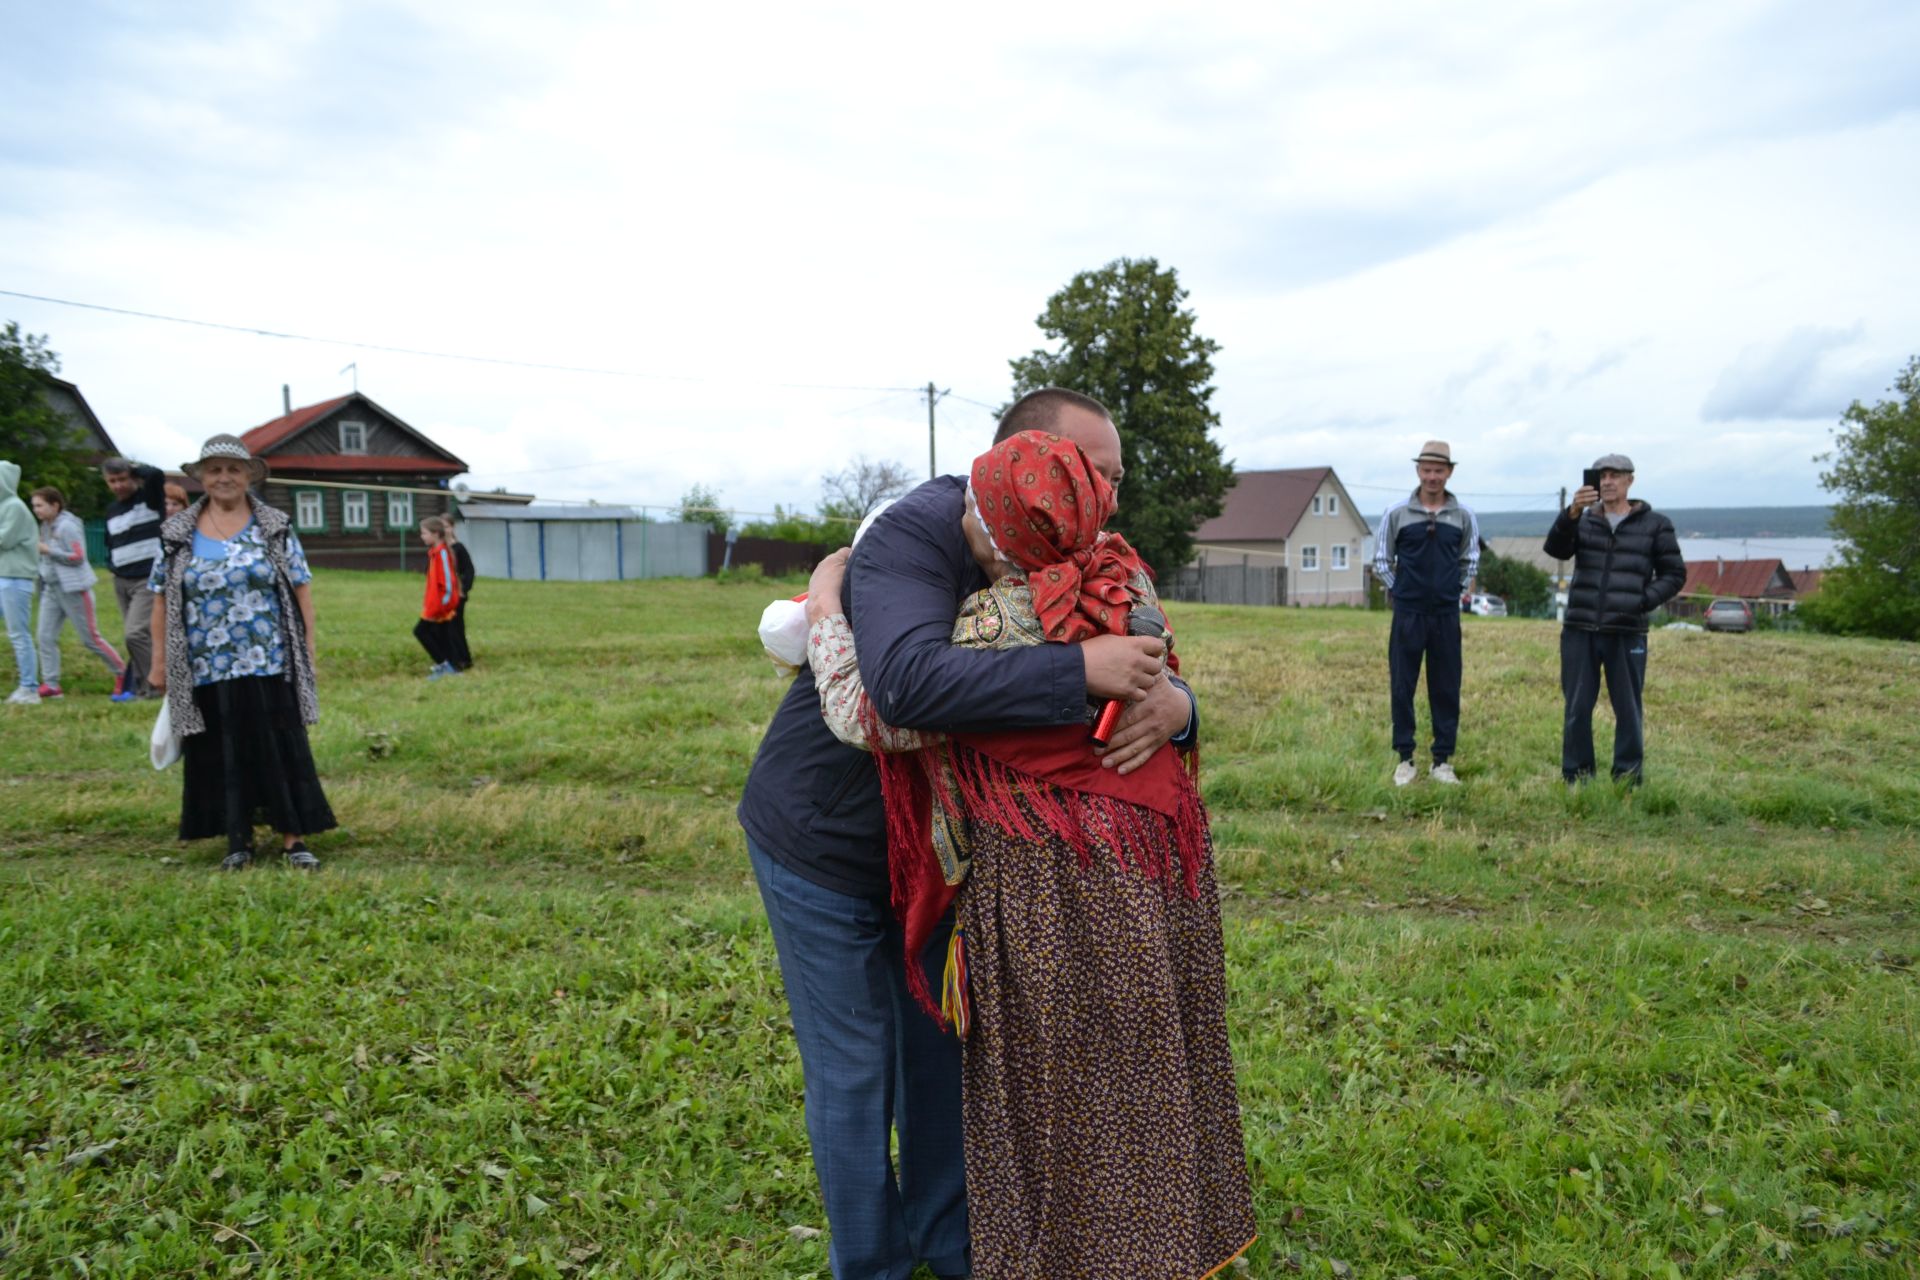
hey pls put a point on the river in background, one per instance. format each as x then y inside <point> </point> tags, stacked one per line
<point>1794,553</point>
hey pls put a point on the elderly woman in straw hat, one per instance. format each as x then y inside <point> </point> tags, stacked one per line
<point>233,652</point>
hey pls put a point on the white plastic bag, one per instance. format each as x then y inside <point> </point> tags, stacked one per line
<point>783,624</point>
<point>163,748</point>
<point>783,631</point>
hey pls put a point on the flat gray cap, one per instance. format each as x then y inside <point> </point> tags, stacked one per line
<point>1614,462</point>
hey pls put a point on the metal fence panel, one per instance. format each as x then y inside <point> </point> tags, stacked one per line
<point>1226,584</point>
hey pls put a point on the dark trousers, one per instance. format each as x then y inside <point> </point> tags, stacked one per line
<point>457,652</point>
<point>433,638</point>
<point>873,1061</point>
<point>1435,637</point>
<point>1622,656</point>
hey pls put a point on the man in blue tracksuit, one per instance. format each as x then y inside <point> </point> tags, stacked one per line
<point>1427,552</point>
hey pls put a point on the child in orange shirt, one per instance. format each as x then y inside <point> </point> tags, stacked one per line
<point>443,598</point>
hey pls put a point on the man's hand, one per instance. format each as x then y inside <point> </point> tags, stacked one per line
<point>1145,727</point>
<point>1123,667</point>
<point>1583,497</point>
<point>823,588</point>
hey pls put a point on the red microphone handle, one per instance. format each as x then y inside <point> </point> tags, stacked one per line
<point>1109,717</point>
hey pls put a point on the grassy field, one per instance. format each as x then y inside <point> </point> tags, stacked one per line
<point>527,1022</point>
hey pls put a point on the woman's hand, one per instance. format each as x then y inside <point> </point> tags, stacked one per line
<point>823,588</point>
<point>157,676</point>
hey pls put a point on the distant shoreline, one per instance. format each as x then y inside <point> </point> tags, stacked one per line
<point>1689,522</point>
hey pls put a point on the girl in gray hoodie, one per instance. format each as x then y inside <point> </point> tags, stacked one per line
<point>17,570</point>
<point>66,591</point>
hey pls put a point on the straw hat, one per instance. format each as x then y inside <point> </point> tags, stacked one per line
<point>1435,451</point>
<point>226,446</point>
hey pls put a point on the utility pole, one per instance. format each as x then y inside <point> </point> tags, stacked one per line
<point>933,398</point>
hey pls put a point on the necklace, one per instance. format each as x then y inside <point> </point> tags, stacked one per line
<point>215,529</point>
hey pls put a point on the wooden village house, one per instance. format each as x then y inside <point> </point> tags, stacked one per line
<point>356,480</point>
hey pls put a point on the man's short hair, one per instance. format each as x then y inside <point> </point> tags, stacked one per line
<point>116,467</point>
<point>1040,411</point>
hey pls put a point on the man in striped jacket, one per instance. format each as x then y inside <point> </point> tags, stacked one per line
<point>133,540</point>
<point>1427,552</point>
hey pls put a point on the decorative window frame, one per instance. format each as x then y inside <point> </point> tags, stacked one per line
<point>1316,504</point>
<point>1337,559</point>
<point>347,499</point>
<point>301,523</point>
<point>1333,504</point>
<point>1310,558</point>
<point>399,510</point>
<point>361,427</point>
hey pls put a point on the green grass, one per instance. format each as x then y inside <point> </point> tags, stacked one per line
<point>528,1022</point>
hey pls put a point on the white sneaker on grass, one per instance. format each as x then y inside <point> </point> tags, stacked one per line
<point>1403,773</point>
<point>1443,772</point>
<point>24,697</point>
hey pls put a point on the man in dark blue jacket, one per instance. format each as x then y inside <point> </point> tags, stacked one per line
<point>1626,563</point>
<point>873,1061</point>
<point>1426,552</point>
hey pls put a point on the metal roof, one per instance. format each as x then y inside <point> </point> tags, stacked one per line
<point>543,511</point>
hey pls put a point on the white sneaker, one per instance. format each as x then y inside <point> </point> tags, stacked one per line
<point>24,698</point>
<point>1404,773</point>
<point>1443,772</point>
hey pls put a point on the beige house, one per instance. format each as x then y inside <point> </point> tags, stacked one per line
<point>1302,520</point>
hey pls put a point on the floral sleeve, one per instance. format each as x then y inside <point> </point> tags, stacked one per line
<point>299,574</point>
<point>843,696</point>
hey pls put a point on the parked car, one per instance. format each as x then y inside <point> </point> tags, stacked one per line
<point>1486,606</point>
<point>1729,615</point>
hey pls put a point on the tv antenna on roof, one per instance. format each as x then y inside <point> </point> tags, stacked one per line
<point>355,366</point>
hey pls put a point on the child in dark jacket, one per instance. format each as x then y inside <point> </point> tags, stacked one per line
<point>442,603</point>
<point>457,651</point>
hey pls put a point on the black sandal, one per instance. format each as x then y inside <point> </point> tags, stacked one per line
<point>300,858</point>
<point>237,859</point>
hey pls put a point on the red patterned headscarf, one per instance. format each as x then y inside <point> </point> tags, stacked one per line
<point>1043,504</point>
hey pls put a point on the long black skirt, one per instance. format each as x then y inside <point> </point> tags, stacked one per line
<point>251,765</point>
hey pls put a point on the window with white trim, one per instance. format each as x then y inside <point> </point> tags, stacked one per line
<point>353,437</point>
<point>1339,550</point>
<point>1333,504</point>
<point>1310,559</point>
<point>399,511</point>
<point>309,511</point>
<point>355,512</point>
<point>1316,504</point>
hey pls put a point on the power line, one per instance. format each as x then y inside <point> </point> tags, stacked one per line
<point>257,331</point>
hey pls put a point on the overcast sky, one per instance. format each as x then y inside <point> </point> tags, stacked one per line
<point>1540,231</point>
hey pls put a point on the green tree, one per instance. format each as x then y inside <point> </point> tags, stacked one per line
<point>1875,472</point>
<point>1525,587</point>
<point>33,433</point>
<point>700,504</point>
<point>1125,339</point>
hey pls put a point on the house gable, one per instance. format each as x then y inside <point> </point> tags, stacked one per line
<point>310,439</point>
<point>1264,506</point>
<point>66,400</point>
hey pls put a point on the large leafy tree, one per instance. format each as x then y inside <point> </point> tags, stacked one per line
<point>47,446</point>
<point>1125,339</point>
<point>1875,472</point>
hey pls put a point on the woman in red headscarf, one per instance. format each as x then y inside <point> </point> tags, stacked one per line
<point>1087,979</point>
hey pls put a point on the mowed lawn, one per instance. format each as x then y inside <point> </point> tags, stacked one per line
<point>528,1021</point>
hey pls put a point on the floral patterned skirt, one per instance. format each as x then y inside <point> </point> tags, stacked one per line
<point>251,765</point>
<point>1102,1124</point>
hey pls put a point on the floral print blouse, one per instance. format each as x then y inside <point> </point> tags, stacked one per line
<point>232,609</point>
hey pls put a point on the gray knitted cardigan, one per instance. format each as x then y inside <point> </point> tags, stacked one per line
<point>176,552</point>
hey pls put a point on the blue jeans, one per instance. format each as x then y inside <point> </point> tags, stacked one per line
<point>873,1061</point>
<point>16,600</point>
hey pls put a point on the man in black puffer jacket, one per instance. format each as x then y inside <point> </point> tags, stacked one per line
<point>1626,563</point>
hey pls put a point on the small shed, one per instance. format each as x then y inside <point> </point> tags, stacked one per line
<point>547,542</point>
